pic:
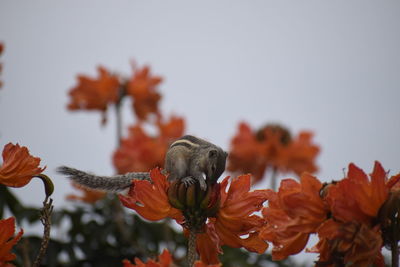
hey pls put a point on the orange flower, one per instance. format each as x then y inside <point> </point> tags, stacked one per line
<point>95,94</point>
<point>164,260</point>
<point>141,152</point>
<point>233,220</point>
<point>150,200</point>
<point>19,167</point>
<point>353,235</point>
<point>271,147</point>
<point>142,87</point>
<point>236,218</point>
<point>208,244</point>
<point>350,242</point>
<point>299,156</point>
<point>7,229</point>
<point>88,196</point>
<point>171,130</point>
<point>246,153</point>
<point>293,214</point>
<point>356,198</point>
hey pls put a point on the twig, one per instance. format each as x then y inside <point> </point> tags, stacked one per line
<point>191,255</point>
<point>45,218</point>
<point>395,254</point>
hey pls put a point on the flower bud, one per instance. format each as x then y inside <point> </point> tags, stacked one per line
<point>196,205</point>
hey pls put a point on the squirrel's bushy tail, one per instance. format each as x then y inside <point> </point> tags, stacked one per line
<point>105,183</point>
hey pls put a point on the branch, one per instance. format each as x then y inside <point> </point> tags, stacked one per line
<point>45,218</point>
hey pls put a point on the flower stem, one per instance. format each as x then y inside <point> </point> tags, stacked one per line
<point>118,105</point>
<point>273,178</point>
<point>118,122</point>
<point>191,255</point>
<point>45,218</point>
<point>395,253</point>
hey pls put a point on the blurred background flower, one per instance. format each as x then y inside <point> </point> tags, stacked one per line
<point>273,148</point>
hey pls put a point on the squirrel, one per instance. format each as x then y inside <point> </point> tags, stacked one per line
<point>188,158</point>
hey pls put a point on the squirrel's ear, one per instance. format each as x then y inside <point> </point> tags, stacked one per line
<point>212,153</point>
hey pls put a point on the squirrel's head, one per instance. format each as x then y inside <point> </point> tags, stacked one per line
<point>216,164</point>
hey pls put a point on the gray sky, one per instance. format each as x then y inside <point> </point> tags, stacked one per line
<point>329,66</point>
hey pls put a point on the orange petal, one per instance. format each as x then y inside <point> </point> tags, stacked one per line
<point>236,217</point>
<point>164,260</point>
<point>142,87</point>
<point>150,200</point>
<point>94,93</point>
<point>19,166</point>
<point>293,213</point>
<point>140,152</point>
<point>356,197</point>
<point>7,229</point>
<point>290,246</point>
<point>208,245</point>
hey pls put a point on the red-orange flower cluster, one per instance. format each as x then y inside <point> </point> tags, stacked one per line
<point>353,235</point>
<point>234,223</point>
<point>271,147</point>
<point>143,88</point>
<point>345,214</point>
<point>141,152</point>
<point>293,214</point>
<point>234,220</point>
<point>95,93</point>
<point>107,89</point>
<point>19,167</point>
<point>7,241</point>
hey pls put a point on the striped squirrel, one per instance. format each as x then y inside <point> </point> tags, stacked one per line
<point>188,158</point>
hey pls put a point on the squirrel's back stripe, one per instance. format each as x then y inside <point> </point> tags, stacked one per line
<point>187,141</point>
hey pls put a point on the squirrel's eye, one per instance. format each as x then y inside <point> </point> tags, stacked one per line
<point>212,153</point>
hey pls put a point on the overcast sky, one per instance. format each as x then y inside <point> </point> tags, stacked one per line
<point>328,66</point>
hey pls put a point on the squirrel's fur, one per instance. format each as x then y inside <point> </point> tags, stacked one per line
<point>188,158</point>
